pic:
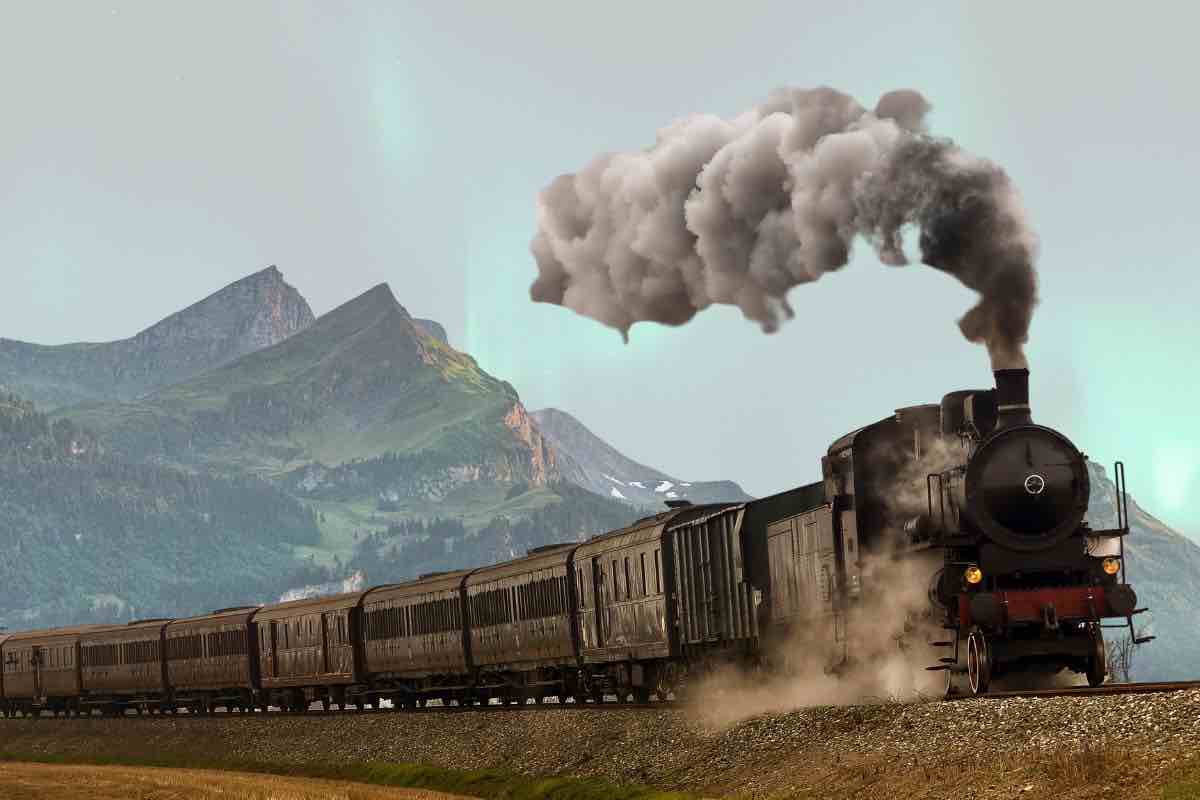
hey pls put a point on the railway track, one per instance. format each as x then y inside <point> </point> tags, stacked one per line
<point>662,705</point>
<point>317,711</point>
<point>1089,691</point>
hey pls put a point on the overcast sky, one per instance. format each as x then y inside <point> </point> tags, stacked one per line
<point>153,152</point>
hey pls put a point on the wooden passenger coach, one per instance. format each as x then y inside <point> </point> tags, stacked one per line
<point>414,645</point>
<point>307,650</point>
<point>41,671</point>
<point>521,633</point>
<point>212,660</point>
<point>122,667</point>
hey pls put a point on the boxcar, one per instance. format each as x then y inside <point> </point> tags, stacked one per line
<point>122,667</point>
<point>41,671</point>
<point>523,640</point>
<point>414,641</point>
<point>713,598</point>
<point>307,652</point>
<point>212,660</point>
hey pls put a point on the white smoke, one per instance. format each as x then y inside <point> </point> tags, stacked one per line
<point>739,211</point>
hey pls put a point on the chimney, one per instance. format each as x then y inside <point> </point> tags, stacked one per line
<point>1012,397</point>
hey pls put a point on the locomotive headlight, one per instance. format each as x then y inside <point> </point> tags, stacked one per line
<point>1111,566</point>
<point>973,574</point>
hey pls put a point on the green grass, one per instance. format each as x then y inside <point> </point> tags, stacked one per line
<point>487,783</point>
<point>1186,788</point>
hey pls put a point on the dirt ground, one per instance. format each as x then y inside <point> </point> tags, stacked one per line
<point>68,782</point>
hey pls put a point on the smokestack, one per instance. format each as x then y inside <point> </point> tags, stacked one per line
<point>1012,397</point>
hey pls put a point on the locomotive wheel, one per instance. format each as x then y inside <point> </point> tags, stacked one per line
<point>1097,665</point>
<point>979,662</point>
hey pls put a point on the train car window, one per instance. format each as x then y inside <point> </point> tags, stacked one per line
<point>643,586</point>
<point>657,572</point>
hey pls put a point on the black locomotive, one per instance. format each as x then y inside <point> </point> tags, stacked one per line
<point>992,503</point>
<point>1025,582</point>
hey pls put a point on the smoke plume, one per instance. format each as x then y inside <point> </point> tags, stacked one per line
<point>739,211</point>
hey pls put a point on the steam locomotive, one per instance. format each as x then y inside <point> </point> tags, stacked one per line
<point>992,504</point>
<point>1025,582</point>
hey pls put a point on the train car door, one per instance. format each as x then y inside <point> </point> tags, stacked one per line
<point>270,634</point>
<point>603,621</point>
<point>40,657</point>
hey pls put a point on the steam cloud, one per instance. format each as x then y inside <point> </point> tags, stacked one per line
<point>739,211</point>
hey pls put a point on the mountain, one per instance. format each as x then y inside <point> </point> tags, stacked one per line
<point>1164,568</point>
<point>362,382</point>
<point>88,537</point>
<point>591,463</point>
<point>255,312</point>
<point>363,415</point>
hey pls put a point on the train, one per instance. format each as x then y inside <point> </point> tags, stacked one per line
<point>991,503</point>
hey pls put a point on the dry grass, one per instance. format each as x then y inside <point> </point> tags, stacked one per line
<point>19,781</point>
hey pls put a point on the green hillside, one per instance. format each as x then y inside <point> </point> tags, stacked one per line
<point>360,382</point>
<point>87,536</point>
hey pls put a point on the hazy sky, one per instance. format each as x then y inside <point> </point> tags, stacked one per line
<point>152,152</point>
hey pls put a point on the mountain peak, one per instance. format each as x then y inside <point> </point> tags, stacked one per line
<point>253,312</point>
<point>590,462</point>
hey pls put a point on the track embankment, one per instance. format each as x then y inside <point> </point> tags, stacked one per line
<point>1129,746</point>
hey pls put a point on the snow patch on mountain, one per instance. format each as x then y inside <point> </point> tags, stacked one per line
<point>617,493</point>
<point>588,461</point>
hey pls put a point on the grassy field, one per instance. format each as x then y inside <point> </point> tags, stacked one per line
<point>23,781</point>
<point>128,778</point>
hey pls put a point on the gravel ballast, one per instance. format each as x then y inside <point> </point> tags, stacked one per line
<point>1009,747</point>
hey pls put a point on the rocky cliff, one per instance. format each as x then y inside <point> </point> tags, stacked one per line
<point>589,462</point>
<point>433,329</point>
<point>258,311</point>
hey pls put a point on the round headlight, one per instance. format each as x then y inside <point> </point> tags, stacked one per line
<point>1111,566</point>
<point>973,574</point>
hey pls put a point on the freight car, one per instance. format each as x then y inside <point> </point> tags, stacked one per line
<point>990,503</point>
